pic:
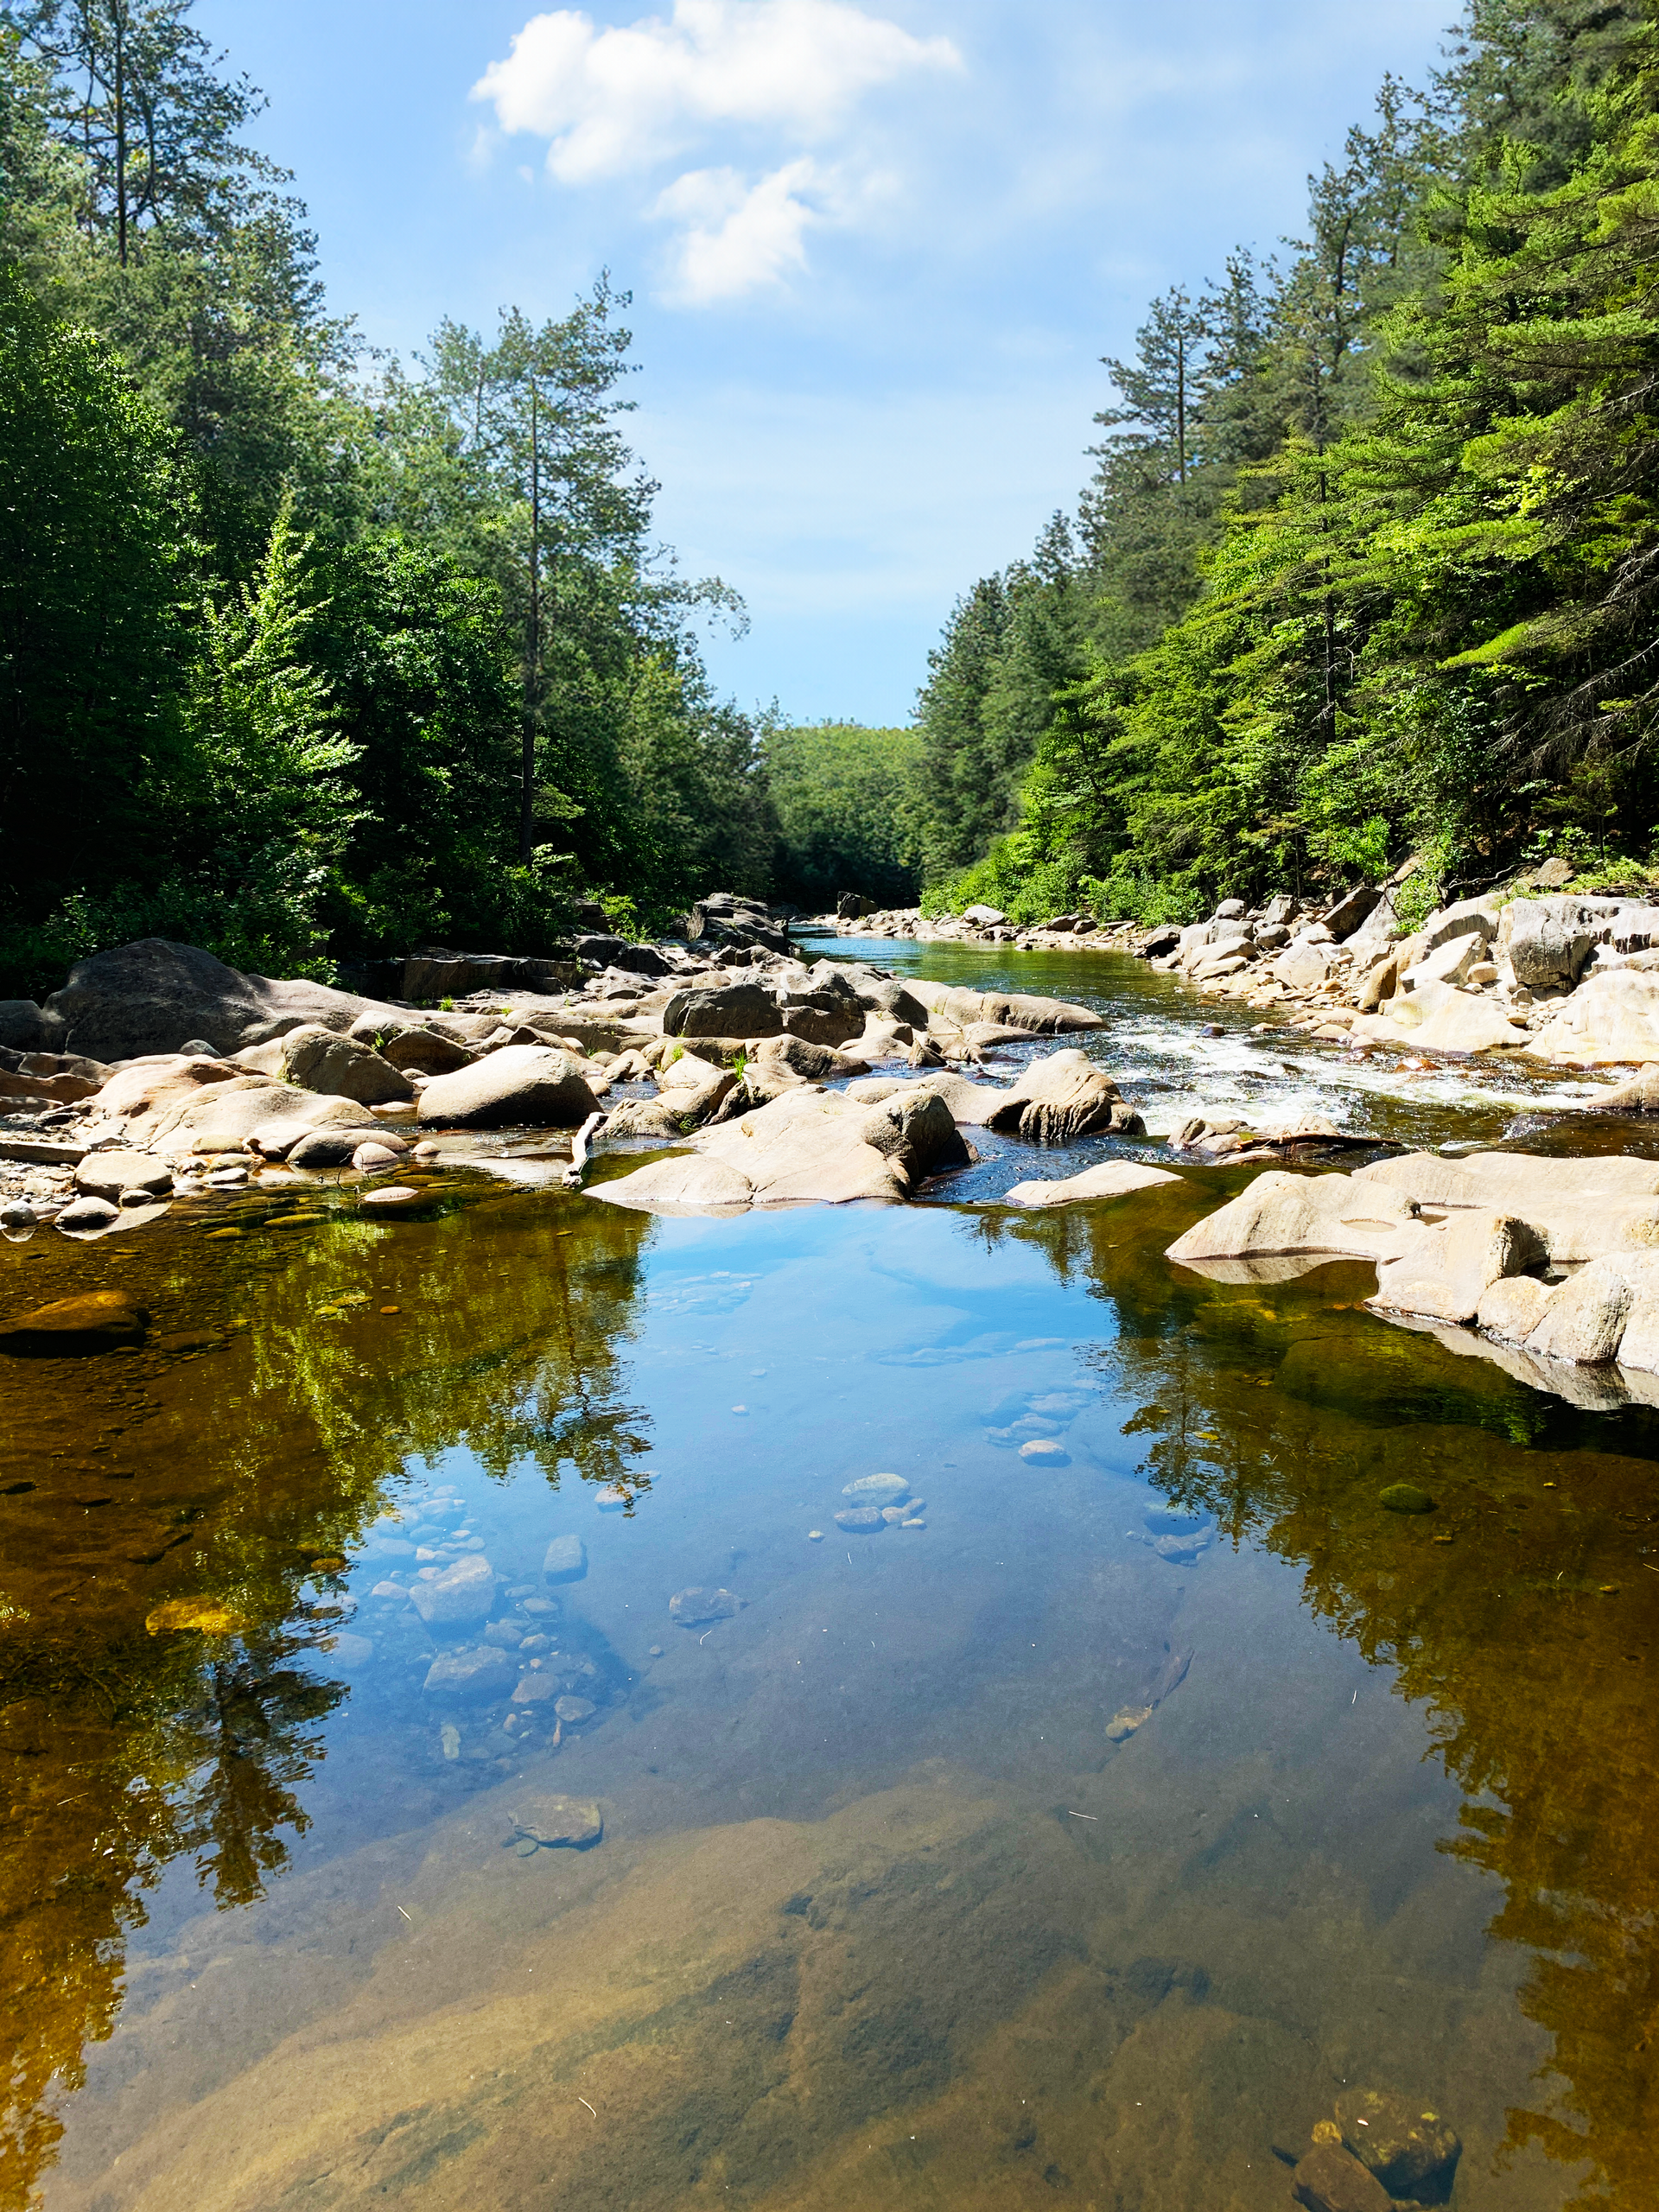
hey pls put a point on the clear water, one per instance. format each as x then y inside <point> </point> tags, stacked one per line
<point>881,1911</point>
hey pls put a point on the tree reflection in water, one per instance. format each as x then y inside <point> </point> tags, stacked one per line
<point>222,1473</point>
<point>1282,1411</point>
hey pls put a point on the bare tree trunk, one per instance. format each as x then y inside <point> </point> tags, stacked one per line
<point>532,658</point>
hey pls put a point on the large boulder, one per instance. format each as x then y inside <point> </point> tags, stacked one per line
<point>249,1113</point>
<point>1064,1096</point>
<point>1612,1018</point>
<point>1546,942</point>
<point>315,1059</point>
<point>1036,1016</point>
<point>690,1089</point>
<point>1282,1214</point>
<point>522,1086</point>
<point>885,994</point>
<point>726,1010</point>
<point>418,1047</point>
<point>154,996</point>
<point>811,1062</point>
<point>1351,910</point>
<point>24,1028</point>
<point>807,1146</point>
<point>1444,1270</point>
<point>973,1103</point>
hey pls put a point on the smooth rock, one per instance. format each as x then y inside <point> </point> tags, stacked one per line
<point>316,1059</point>
<point>540,1687</point>
<point>1036,1016</point>
<point>573,1711</point>
<point>373,1154</point>
<point>556,1822</point>
<point>1584,1320</point>
<point>565,1561</point>
<point>1061,1097</point>
<point>90,1322</point>
<point>154,996</point>
<point>455,1595</point>
<point>1445,1271</point>
<point>471,1677</point>
<point>87,1213</point>
<point>861,1521</point>
<point>1613,1017</point>
<point>695,1608</point>
<point>728,1010</point>
<point>424,1051</point>
<point>1043,1450</point>
<point>1512,1309</point>
<point>972,1103</point>
<point>690,1089</point>
<point>877,1490</point>
<point>1112,1179</point>
<point>521,1086</point>
<point>1405,1498</point>
<point>112,1175</point>
<point>332,1147</point>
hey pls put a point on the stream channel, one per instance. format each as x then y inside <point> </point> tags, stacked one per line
<point>889,1908</point>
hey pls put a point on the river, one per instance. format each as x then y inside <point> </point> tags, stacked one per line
<point>1081,1845</point>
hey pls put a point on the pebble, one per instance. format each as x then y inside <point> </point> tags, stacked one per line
<point>449,1740</point>
<point>610,1499</point>
<point>573,1711</point>
<point>1043,1451</point>
<point>655,1652</point>
<point>815,1535</point>
<point>565,1561</point>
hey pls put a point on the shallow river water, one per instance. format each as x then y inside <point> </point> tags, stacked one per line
<point>887,1908</point>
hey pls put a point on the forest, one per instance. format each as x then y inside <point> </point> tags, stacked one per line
<point>1366,574</point>
<point>308,654</point>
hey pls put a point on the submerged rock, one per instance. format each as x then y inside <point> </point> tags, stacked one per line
<point>565,1559</point>
<point>455,1595</point>
<point>862,1520</point>
<point>472,1677</point>
<point>557,1822</point>
<point>1405,1498</point>
<point>1410,2149</point>
<point>1329,2180</point>
<point>696,1607</point>
<point>876,1490</point>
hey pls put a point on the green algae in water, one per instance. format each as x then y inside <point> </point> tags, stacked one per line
<point>1405,1498</point>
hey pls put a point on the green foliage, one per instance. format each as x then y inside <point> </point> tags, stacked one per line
<point>846,811</point>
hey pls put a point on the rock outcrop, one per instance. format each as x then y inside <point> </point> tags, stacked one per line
<point>521,1086</point>
<point>155,996</point>
<point>1062,1098</point>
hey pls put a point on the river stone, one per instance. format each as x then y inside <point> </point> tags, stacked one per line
<point>730,1010</point>
<point>1411,2150</point>
<point>1036,1016</point>
<point>862,1520</point>
<point>335,1148</point>
<point>523,1086</point>
<point>1584,1321</point>
<point>426,1052</point>
<point>538,1688</point>
<point>573,1822</point>
<point>315,1059</point>
<point>565,1561</point>
<point>471,1677</point>
<point>1512,1309</point>
<point>1112,1179</point>
<point>693,1608</point>
<point>90,1322</point>
<point>1044,1451</point>
<point>877,1490</point>
<point>1061,1097</point>
<point>88,1213</point>
<point>573,1711</point>
<point>112,1175</point>
<point>1328,2180</point>
<point>457,1594</point>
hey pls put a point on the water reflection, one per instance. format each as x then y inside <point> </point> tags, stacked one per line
<point>1081,1841</point>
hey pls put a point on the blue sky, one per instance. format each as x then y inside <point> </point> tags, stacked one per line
<point>876,249</point>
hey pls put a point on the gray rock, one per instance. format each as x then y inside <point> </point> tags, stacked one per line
<point>506,1635</point>
<point>332,1147</point>
<point>573,1711</point>
<point>693,1608</point>
<point>23,1028</point>
<point>1468,918</point>
<point>862,1520</point>
<point>18,1214</point>
<point>1061,1097</point>
<point>553,1821</point>
<point>521,1086</point>
<point>471,1677</point>
<point>425,1052</point>
<point>152,996</point>
<point>1546,942</point>
<point>459,1594</point>
<point>87,1213</point>
<point>877,1490</point>
<point>1345,916</point>
<point>112,1175</point>
<point>315,1059</point>
<point>1584,1320</point>
<point>730,1010</point>
<point>541,1685</point>
<point>565,1561</point>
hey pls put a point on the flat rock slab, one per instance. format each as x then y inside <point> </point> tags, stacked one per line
<point>565,1561</point>
<point>570,1823</point>
<point>40,1152</point>
<point>460,1595</point>
<point>973,1103</point>
<point>807,1146</point>
<point>696,1607</point>
<point>1112,1179</point>
<point>92,1322</point>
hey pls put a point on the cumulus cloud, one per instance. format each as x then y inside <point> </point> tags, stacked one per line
<point>631,98</point>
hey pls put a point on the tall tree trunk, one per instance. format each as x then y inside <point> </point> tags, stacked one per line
<point>118,14</point>
<point>532,658</point>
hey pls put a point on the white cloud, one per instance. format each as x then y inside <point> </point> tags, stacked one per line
<point>738,235</point>
<point>630,98</point>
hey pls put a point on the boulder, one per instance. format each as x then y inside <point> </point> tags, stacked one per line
<point>315,1059</point>
<point>886,996</point>
<point>149,1088</point>
<point>1469,917</point>
<point>1613,1016</point>
<point>1444,1270</point>
<point>522,1086</point>
<point>225,1116</point>
<point>916,1134</point>
<point>1410,2149</point>
<point>1036,1016</point>
<point>1306,964</point>
<point>1583,1320</point>
<point>471,1677</point>
<point>1546,942</point>
<point>970,1103</point>
<point>620,952</point>
<point>425,1052</point>
<point>1283,1213</point>
<point>24,1028</point>
<point>91,1322</point>
<point>853,906</point>
<point>1329,2180</point>
<point>457,1596</point>
<point>330,1147</point>
<point>811,1062</point>
<point>1511,1308</point>
<point>112,1175</point>
<point>565,1559</point>
<point>85,1214</point>
<point>984,918</point>
<point>1350,910</point>
<point>1112,1179</point>
<point>822,1017</point>
<point>726,1010</point>
<point>1461,1022</point>
<point>1639,1096</point>
<point>806,1146</point>
<point>154,996</point>
<point>692,1089</point>
<point>1061,1097</point>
